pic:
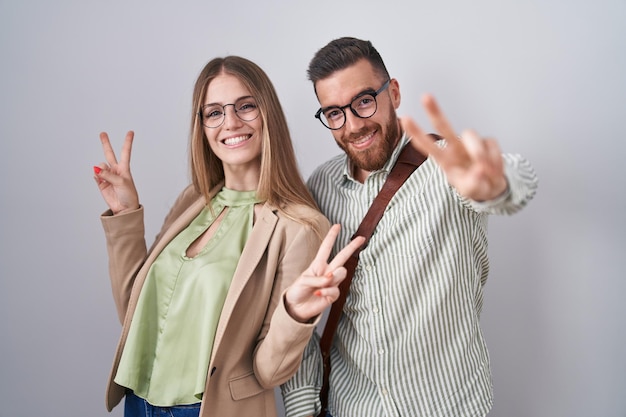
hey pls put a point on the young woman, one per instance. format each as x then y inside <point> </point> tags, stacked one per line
<point>218,311</point>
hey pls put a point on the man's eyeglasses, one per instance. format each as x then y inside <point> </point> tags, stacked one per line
<point>363,105</point>
<point>213,115</point>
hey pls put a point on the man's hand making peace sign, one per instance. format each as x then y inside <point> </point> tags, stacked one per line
<point>473,165</point>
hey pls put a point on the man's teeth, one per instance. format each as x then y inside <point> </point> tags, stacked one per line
<point>363,139</point>
<point>234,141</point>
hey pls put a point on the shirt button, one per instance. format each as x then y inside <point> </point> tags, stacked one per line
<point>384,392</point>
<point>381,351</point>
<point>368,268</point>
<point>375,309</point>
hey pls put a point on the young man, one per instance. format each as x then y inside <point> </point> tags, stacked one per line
<point>408,342</point>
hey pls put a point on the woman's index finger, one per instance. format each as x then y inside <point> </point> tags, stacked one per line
<point>345,253</point>
<point>318,266</point>
<point>109,153</point>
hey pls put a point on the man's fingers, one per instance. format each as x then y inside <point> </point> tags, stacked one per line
<point>419,140</point>
<point>437,118</point>
<point>474,145</point>
<point>440,122</point>
<point>494,158</point>
<point>494,152</point>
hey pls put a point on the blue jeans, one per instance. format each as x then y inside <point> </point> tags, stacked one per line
<point>135,406</point>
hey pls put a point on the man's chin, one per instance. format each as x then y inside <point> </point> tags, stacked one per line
<point>368,161</point>
<point>371,158</point>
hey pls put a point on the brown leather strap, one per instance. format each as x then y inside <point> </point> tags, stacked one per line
<point>408,161</point>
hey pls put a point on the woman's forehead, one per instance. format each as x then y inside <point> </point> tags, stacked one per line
<point>225,88</point>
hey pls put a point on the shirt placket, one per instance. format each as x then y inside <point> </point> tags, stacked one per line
<point>376,282</point>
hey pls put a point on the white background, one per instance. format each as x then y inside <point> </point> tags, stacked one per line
<point>547,78</point>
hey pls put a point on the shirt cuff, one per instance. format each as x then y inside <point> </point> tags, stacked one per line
<point>496,202</point>
<point>302,402</point>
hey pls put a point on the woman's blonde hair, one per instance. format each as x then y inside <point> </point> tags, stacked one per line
<point>280,182</point>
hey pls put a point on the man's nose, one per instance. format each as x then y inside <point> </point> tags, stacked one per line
<point>353,122</point>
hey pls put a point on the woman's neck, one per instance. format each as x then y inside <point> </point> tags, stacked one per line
<point>241,178</point>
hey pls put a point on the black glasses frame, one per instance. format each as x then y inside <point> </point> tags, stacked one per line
<point>318,114</point>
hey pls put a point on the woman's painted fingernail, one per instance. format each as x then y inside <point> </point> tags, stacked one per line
<point>318,293</point>
<point>97,169</point>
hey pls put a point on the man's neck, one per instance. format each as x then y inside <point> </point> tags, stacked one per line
<point>361,175</point>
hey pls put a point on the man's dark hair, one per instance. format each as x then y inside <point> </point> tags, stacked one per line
<point>342,53</point>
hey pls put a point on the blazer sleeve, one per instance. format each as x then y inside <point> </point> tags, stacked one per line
<point>127,251</point>
<point>282,340</point>
<point>126,246</point>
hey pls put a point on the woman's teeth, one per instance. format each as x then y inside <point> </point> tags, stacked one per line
<point>236,140</point>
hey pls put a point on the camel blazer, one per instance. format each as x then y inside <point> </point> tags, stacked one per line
<point>258,346</point>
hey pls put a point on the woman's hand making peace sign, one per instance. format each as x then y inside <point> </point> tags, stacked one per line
<point>317,287</point>
<point>114,178</point>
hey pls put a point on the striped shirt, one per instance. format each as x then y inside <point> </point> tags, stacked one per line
<point>409,341</point>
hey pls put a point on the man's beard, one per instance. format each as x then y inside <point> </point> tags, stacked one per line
<point>376,156</point>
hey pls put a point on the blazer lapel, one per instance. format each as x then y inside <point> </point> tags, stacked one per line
<point>179,224</point>
<point>253,251</point>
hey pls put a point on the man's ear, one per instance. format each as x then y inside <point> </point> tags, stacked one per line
<point>394,92</point>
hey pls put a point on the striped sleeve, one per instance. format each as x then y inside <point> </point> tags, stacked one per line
<point>522,186</point>
<point>301,393</point>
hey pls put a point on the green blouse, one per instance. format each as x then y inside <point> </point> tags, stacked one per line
<point>167,353</point>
